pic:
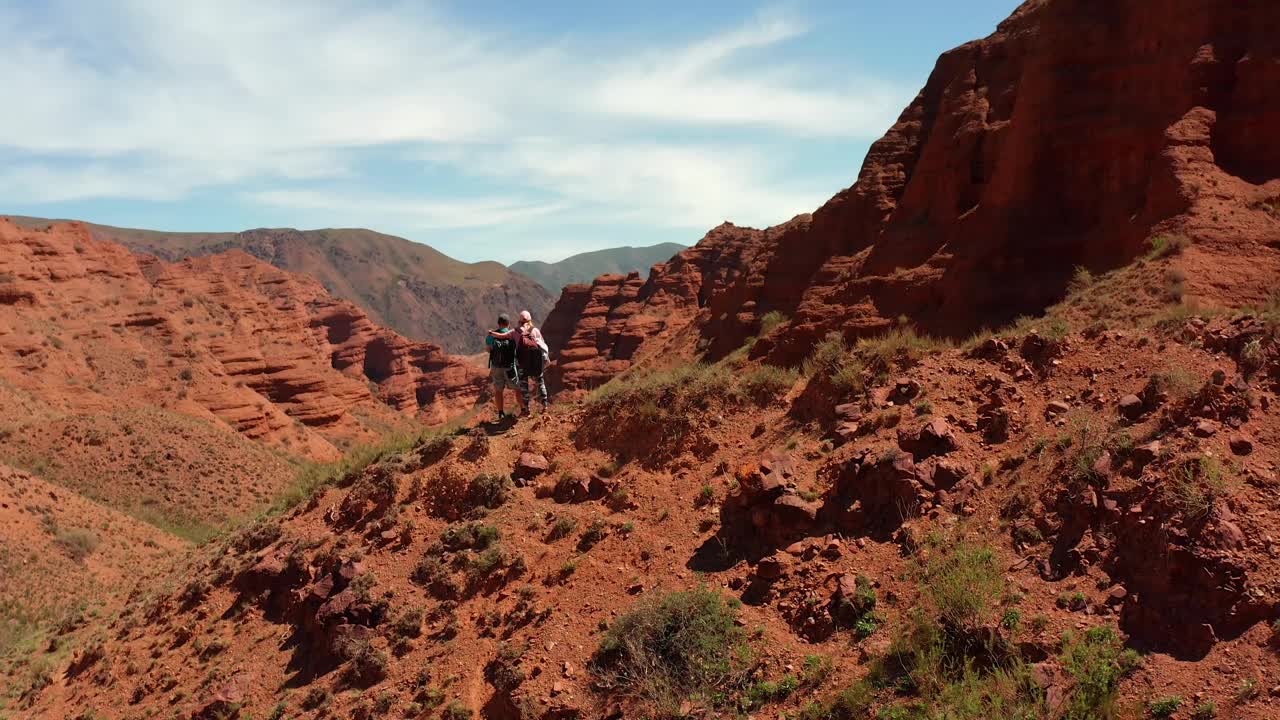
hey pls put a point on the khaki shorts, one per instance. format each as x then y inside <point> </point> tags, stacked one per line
<point>503,379</point>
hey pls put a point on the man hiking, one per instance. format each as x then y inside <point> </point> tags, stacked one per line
<point>532,357</point>
<point>503,344</point>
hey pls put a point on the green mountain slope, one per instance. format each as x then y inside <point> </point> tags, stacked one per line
<point>585,267</point>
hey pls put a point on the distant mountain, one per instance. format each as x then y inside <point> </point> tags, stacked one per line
<point>407,286</point>
<point>585,267</point>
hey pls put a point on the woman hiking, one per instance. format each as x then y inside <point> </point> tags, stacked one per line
<point>532,357</point>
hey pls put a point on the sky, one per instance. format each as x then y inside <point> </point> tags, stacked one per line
<point>490,130</point>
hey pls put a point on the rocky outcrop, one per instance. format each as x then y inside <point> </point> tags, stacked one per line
<point>224,336</point>
<point>400,284</point>
<point>1065,139</point>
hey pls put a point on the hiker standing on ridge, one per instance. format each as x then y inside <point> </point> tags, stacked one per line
<point>503,344</point>
<point>532,357</point>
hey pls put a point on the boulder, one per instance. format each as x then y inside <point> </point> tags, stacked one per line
<point>1132,407</point>
<point>1204,429</point>
<point>529,466</point>
<point>773,567</point>
<point>226,700</point>
<point>573,486</point>
<point>1144,455</point>
<point>1056,408</point>
<point>1241,444</point>
<point>942,473</point>
<point>935,438</point>
<point>886,485</point>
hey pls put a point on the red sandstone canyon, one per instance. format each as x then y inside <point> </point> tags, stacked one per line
<point>993,433</point>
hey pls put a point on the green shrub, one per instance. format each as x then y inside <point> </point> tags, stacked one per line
<point>771,321</point>
<point>455,710</point>
<point>1096,662</point>
<point>486,563</point>
<point>430,570</point>
<point>488,490</point>
<point>766,383</point>
<point>1161,246</point>
<point>1252,358</point>
<point>563,527</point>
<point>1207,710</point>
<point>1195,487</point>
<point>1164,707</point>
<point>770,691</point>
<point>1011,620</point>
<point>597,531</point>
<point>366,665</point>
<point>832,362</point>
<point>471,536</point>
<point>681,646</point>
<point>1249,690</point>
<point>964,582</point>
<point>408,624</point>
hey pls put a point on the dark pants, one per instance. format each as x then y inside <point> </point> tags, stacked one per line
<point>539,386</point>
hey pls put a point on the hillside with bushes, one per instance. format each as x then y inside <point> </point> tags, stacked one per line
<point>994,433</point>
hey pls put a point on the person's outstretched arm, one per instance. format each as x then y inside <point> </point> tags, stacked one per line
<point>502,333</point>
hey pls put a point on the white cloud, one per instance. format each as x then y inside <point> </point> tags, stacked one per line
<point>338,208</point>
<point>664,184</point>
<point>151,99</point>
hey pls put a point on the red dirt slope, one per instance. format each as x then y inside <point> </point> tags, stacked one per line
<point>62,557</point>
<point>1065,139</point>
<point>366,602</point>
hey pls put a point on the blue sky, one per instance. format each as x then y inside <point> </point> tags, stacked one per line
<point>489,130</point>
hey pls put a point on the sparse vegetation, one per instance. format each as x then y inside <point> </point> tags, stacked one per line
<point>469,536</point>
<point>1160,246</point>
<point>78,543</point>
<point>771,321</point>
<point>488,490</point>
<point>766,383</point>
<point>314,476</point>
<point>964,581</point>
<point>1164,707</point>
<point>1195,487</point>
<point>683,645</point>
<point>901,345</point>
<point>833,363</point>
<point>1207,710</point>
<point>1175,381</point>
<point>455,710</point>
<point>366,665</point>
<point>1081,280</point>
<point>563,527</point>
<point>597,531</point>
<point>661,406</point>
<point>1096,662</point>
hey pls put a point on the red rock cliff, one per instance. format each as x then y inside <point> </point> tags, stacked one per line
<point>86,326</point>
<point>1066,138</point>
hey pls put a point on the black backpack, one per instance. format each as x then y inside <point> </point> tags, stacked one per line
<point>502,353</point>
